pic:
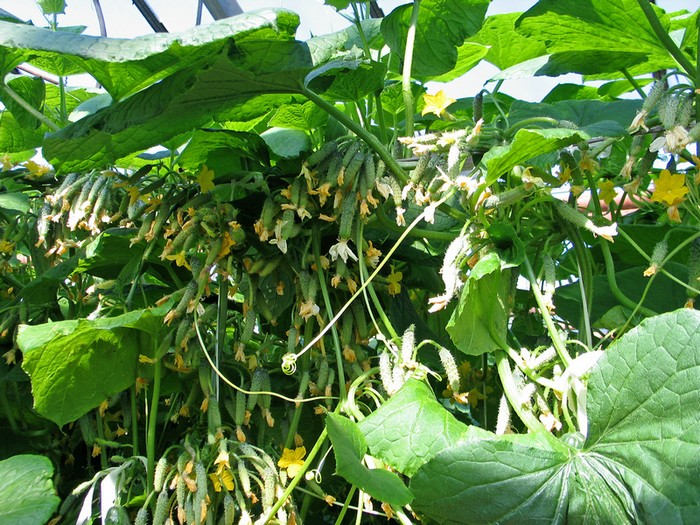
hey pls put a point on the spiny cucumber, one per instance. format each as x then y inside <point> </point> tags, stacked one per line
<point>323,371</point>
<point>255,386</point>
<point>419,170</point>
<point>248,326</point>
<point>161,512</point>
<point>322,153</point>
<point>347,216</point>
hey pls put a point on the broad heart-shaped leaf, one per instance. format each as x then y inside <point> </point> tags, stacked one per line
<point>75,365</point>
<point>443,25</point>
<point>469,55</point>
<point>410,428</point>
<point>594,117</point>
<point>286,143</point>
<point>204,142</point>
<point>350,447</point>
<point>184,101</point>
<point>123,66</point>
<point>639,464</point>
<point>304,116</point>
<point>15,138</point>
<point>27,495</point>
<point>527,144</point>
<point>245,81</point>
<point>506,46</point>
<point>492,481</point>
<point>480,320</point>
<point>32,91</point>
<point>592,62</point>
<point>644,415</point>
<point>664,295</point>
<point>594,25</point>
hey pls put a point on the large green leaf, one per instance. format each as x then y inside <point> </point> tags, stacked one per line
<point>664,295</point>
<point>478,324</point>
<point>75,365</point>
<point>206,142</point>
<point>304,116</point>
<point>27,495</point>
<point>245,80</point>
<point>617,26</point>
<point>31,90</point>
<point>411,428</point>
<point>124,66</point>
<point>593,62</point>
<point>594,117</point>
<point>644,413</point>
<point>527,144</point>
<point>14,137</point>
<point>492,481</point>
<point>443,25</point>
<point>639,463</point>
<point>350,447</point>
<point>182,102</point>
<point>507,47</point>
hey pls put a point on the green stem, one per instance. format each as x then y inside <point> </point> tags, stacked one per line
<point>329,310</point>
<point>364,274</point>
<point>152,426</point>
<point>134,421</point>
<point>221,321</point>
<point>379,115</point>
<point>510,389</point>
<point>29,108</point>
<point>372,141</point>
<point>526,122</point>
<point>416,232</point>
<point>303,385</point>
<point>408,66</point>
<point>665,39</point>
<point>668,258</point>
<point>346,506</point>
<point>583,261</point>
<point>7,410</point>
<point>101,434</point>
<point>559,345</point>
<point>615,289</point>
<point>300,475</point>
<point>633,82</point>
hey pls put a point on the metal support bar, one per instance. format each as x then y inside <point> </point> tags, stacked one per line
<point>223,8</point>
<point>150,16</point>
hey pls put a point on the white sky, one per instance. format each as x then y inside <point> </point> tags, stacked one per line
<point>124,20</point>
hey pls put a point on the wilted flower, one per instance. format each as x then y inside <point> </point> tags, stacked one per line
<point>342,250</point>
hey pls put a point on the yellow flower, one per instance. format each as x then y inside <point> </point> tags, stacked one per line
<point>394,280</point>
<point>607,191</point>
<point>36,170</point>
<point>146,360</point>
<point>437,104</point>
<point>134,194</point>
<point>180,259</point>
<point>226,244</point>
<point>7,247</point>
<point>473,396</point>
<point>292,460</point>
<point>372,255</point>
<point>669,188</point>
<point>205,179</point>
<point>225,479</point>
<point>6,162</point>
